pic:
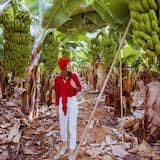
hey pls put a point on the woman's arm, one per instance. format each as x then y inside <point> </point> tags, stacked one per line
<point>77,85</point>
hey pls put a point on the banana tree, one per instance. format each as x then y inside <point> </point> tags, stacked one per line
<point>61,14</point>
<point>64,14</point>
<point>53,18</point>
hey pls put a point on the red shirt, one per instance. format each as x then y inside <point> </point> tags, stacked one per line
<point>64,89</point>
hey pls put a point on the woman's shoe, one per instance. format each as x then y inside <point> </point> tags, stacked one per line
<point>63,148</point>
<point>71,155</point>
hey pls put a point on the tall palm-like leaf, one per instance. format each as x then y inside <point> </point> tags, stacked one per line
<point>60,12</point>
<point>101,8</point>
<point>90,15</point>
<point>90,21</point>
<point>131,57</point>
<point>118,9</point>
<point>115,12</point>
<point>64,13</point>
<point>33,6</point>
<point>134,59</point>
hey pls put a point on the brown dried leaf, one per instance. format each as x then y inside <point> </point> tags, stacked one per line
<point>145,147</point>
<point>6,125</point>
<point>13,131</point>
<point>97,134</point>
<point>129,122</point>
<point>29,151</point>
<point>107,157</point>
<point>119,150</point>
<point>133,150</point>
<point>4,142</point>
<point>17,138</point>
<point>110,141</point>
<point>3,157</point>
<point>128,138</point>
<point>50,133</point>
<point>10,104</point>
<point>136,126</point>
<point>90,151</point>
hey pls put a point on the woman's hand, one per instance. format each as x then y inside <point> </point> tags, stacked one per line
<point>73,84</point>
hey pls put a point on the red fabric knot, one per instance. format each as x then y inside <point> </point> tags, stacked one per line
<point>64,105</point>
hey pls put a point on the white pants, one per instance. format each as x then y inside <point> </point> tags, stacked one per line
<point>69,121</point>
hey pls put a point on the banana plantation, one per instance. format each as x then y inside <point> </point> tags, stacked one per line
<point>112,47</point>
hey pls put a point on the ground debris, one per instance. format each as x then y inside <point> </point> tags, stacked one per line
<point>40,140</point>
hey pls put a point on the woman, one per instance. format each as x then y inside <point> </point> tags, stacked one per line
<point>66,86</point>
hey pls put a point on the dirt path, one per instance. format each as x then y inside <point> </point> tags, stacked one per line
<point>40,140</point>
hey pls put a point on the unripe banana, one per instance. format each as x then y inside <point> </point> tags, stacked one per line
<point>155,37</point>
<point>146,17</point>
<point>157,48</point>
<point>158,1</point>
<point>152,4</point>
<point>133,14</point>
<point>150,44</point>
<point>142,25</point>
<point>139,6</point>
<point>152,15</point>
<point>148,27</point>
<point>155,26</point>
<point>144,35</point>
<point>150,53</point>
<point>145,4</point>
<point>140,42</point>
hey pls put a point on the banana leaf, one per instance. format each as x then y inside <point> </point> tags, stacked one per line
<point>77,36</point>
<point>86,22</point>
<point>60,12</point>
<point>2,2</point>
<point>118,9</point>
<point>80,55</point>
<point>128,50</point>
<point>101,9</point>
<point>95,18</point>
<point>73,36</point>
<point>113,11</point>
<point>131,56</point>
<point>33,6</point>
<point>75,22</point>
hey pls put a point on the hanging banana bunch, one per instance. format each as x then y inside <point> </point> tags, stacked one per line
<point>95,49</point>
<point>49,54</point>
<point>146,25</point>
<point>16,31</point>
<point>104,46</point>
<point>66,49</point>
<point>110,48</point>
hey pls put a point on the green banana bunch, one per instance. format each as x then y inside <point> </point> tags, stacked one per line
<point>16,31</point>
<point>95,49</point>
<point>104,45</point>
<point>110,49</point>
<point>49,55</point>
<point>146,25</point>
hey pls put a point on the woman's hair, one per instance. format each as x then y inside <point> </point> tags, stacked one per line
<point>64,72</point>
